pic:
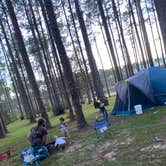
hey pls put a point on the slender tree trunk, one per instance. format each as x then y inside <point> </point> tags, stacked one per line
<point>20,66</point>
<point>21,88</point>
<point>134,45</point>
<point>129,65</point>
<point>8,63</point>
<point>99,2</point>
<point>108,51</point>
<point>2,130</point>
<point>122,50</point>
<point>21,46</point>
<point>102,65</point>
<point>7,97</point>
<point>15,91</point>
<point>151,29</point>
<point>81,122</point>
<point>137,34</point>
<point>56,59</point>
<point>145,35</point>
<point>81,51</point>
<point>76,55</point>
<point>114,43</point>
<point>161,13</point>
<point>39,55</point>
<point>94,71</point>
<point>47,60</point>
<point>157,27</point>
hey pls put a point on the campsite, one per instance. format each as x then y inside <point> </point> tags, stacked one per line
<point>133,143</point>
<point>82,82</point>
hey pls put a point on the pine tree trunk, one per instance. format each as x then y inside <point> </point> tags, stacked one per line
<point>129,65</point>
<point>137,34</point>
<point>56,59</point>
<point>114,43</point>
<point>85,81</point>
<point>94,71</point>
<point>81,122</point>
<point>31,77</point>
<point>102,65</point>
<point>161,13</point>
<point>157,28</point>
<point>39,56</point>
<point>81,51</point>
<point>145,35</point>
<point>122,50</point>
<point>15,89</point>
<point>3,129</point>
<point>20,66</point>
<point>21,88</point>
<point>108,51</point>
<point>99,2</point>
<point>134,45</point>
<point>153,37</point>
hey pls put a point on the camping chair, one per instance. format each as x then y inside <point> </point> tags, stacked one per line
<point>33,155</point>
<point>102,124</point>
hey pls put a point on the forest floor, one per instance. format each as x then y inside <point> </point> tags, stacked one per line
<point>133,142</point>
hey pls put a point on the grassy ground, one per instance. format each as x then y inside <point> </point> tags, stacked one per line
<point>133,142</point>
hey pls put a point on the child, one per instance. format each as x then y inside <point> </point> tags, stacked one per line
<point>60,142</point>
<point>64,128</point>
<point>101,106</point>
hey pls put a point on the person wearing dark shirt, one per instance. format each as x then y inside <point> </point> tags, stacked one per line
<point>38,134</point>
<point>101,106</point>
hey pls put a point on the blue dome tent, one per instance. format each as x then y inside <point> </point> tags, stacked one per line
<point>147,87</point>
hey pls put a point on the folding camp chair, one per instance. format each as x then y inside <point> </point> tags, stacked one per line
<point>33,155</point>
<point>101,125</point>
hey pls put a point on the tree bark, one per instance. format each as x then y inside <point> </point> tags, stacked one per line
<point>99,2</point>
<point>145,35</point>
<point>3,129</point>
<point>157,27</point>
<point>31,77</point>
<point>21,88</point>
<point>81,122</point>
<point>137,33</point>
<point>161,13</point>
<point>81,52</point>
<point>85,80</point>
<point>128,61</point>
<point>56,60</point>
<point>94,71</point>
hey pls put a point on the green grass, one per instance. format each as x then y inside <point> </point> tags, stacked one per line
<point>133,142</point>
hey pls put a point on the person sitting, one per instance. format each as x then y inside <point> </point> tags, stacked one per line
<point>38,134</point>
